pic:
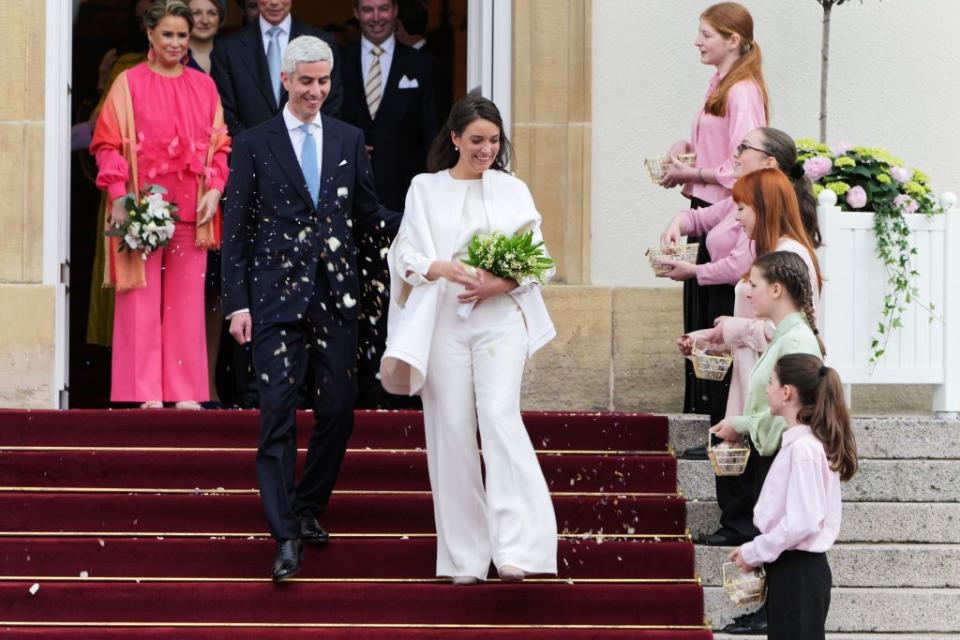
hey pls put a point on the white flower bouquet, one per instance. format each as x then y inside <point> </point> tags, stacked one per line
<point>514,258</point>
<point>150,221</point>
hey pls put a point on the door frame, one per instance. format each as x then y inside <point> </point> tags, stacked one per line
<point>490,53</point>
<point>58,66</point>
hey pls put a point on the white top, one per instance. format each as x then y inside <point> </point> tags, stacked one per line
<point>433,228</point>
<point>283,37</point>
<point>367,58</point>
<point>474,221</point>
<point>297,136</point>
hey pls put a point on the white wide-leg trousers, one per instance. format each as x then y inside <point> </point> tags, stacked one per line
<point>473,380</point>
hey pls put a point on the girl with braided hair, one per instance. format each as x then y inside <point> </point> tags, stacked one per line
<point>780,291</point>
<point>799,510</point>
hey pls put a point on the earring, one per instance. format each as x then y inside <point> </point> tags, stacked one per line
<point>456,148</point>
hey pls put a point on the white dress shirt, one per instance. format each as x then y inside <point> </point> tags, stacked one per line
<point>297,137</point>
<point>283,37</point>
<point>366,52</point>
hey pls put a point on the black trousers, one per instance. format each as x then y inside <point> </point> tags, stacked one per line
<point>738,495</point>
<point>281,354</point>
<point>798,596</point>
<point>701,305</point>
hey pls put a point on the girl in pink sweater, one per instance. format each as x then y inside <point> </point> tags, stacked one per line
<point>798,513</point>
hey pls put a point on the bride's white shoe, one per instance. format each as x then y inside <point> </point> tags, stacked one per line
<point>462,581</point>
<point>510,573</point>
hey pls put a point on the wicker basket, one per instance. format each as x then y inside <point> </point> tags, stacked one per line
<point>744,589</point>
<point>684,252</point>
<point>658,167</point>
<point>709,366</point>
<point>727,460</point>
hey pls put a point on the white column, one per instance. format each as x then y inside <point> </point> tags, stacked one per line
<point>946,397</point>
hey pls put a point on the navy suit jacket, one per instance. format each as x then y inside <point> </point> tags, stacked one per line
<point>239,67</point>
<point>406,123</point>
<point>278,246</point>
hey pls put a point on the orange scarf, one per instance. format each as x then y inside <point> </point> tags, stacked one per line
<point>126,270</point>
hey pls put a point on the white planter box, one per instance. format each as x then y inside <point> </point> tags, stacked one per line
<point>922,351</point>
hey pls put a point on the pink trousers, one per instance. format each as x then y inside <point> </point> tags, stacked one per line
<point>159,341</point>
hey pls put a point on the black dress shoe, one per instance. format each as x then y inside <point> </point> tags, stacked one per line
<point>286,564</point>
<point>750,624</point>
<point>311,532</point>
<point>695,453</point>
<point>723,538</point>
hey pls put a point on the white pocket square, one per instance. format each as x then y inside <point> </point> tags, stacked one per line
<point>342,162</point>
<point>407,83</point>
<point>342,191</point>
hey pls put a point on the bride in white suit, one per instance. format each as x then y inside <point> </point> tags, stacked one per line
<point>468,367</point>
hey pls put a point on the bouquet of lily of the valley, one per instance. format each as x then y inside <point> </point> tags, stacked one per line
<point>150,221</point>
<point>866,178</point>
<point>514,258</point>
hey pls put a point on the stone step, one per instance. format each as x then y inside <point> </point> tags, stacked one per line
<point>866,565</point>
<point>894,437</point>
<point>882,522</point>
<point>860,610</point>
<point>876,481</point>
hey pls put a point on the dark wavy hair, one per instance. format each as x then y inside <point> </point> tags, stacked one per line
<point>470,107</point>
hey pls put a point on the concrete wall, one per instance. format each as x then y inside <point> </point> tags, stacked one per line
<point>26,307</point>
<point>894,83</point>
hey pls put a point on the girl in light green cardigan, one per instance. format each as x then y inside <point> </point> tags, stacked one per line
<point>780,291</point>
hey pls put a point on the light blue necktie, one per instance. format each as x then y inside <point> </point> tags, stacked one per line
<point>273,60</point>
<point>308,163</point>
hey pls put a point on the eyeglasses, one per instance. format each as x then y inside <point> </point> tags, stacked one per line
<point>743,146</point>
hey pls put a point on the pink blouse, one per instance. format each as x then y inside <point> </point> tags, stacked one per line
<point>731,251</point>
<point>174,119</point>
<point>715,139</point>
<point>800,503</point>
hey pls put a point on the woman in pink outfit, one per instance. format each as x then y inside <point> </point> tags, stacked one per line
<point>735,104</point>
<point>162,124</point>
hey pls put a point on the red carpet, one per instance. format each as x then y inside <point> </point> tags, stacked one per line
<point>146,525</point>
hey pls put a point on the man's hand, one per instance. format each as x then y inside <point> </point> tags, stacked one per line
<point>241,327</point>
<point>207,206</point>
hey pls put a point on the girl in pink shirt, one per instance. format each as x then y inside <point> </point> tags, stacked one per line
<point>735,103</point>
<point>798,513</point>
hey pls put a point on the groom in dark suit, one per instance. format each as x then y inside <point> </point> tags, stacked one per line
<point>300,188</point>
<point>246,67</point>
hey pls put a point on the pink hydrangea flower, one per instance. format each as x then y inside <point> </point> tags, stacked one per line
<point>857,198</point>
<point>901,174</point>
<point>906,204</point>
<point>817,167</point>
<point>841,148</point>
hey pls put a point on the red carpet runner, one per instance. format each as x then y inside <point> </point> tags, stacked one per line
<point>133,524</point>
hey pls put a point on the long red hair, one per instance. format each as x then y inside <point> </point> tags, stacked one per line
<point>771,195</point>
<point>729,18</point>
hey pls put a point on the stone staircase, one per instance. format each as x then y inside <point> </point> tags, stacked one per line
<point>896,566</point>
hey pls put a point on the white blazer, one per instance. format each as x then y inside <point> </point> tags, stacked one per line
<point>429,229</point>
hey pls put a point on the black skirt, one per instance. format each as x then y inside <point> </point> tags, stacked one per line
<point>701,305</point>
<point>798,596</point>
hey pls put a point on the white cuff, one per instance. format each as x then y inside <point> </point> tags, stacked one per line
<point>230,315</point>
